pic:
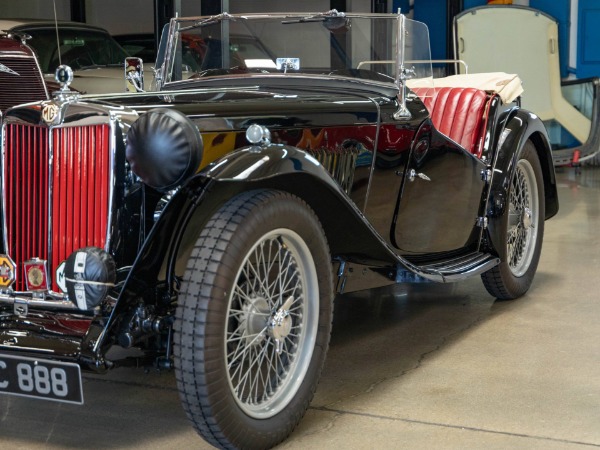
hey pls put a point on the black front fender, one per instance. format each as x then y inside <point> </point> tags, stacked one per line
<point>165,252</point>
<point>292,170</point>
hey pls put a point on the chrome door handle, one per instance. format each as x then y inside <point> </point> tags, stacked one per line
<point>413,173</point>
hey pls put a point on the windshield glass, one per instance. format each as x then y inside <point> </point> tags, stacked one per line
<point>331,44</point>
<point>417,55</point>
<point>78,48</point>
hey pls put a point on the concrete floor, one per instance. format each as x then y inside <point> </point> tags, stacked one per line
<point>416,367</point>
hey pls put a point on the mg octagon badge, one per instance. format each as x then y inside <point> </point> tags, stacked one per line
<point>7,271</point>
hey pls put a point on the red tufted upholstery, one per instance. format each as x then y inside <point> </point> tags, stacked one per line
<point>459,113</point>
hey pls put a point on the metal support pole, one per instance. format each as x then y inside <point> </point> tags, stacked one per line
<point>379,6</point>
<point>212,7</point>
<point>164,10</point>
<point>453,8</point>
<point>78,11</point>
<point>340,5</point>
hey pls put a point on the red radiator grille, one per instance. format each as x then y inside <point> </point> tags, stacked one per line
<point>50,215</point>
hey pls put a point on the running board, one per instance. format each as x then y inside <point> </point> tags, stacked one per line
<point>449,270</point>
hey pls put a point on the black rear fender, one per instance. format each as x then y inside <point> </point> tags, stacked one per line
<point>521,126</point>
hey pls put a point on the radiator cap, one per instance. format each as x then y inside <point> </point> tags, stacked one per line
<point>64,76</point>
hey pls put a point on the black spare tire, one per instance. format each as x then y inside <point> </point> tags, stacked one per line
<point>164,148</point>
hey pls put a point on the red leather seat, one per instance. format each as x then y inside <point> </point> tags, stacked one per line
<point>459,113</point>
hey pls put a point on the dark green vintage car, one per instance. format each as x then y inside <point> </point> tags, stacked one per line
<point>279,160</point>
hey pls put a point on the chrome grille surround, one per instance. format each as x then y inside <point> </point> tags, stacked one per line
<point>63,192</point>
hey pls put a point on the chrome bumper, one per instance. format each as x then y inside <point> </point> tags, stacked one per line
<point>22,301</point>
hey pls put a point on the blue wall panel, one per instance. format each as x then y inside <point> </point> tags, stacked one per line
<point>433,13</point>
<point>588,37</point>
<point>473,3</point>
<point>404,6</point>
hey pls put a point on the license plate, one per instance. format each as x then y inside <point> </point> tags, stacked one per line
<point>40,378</point>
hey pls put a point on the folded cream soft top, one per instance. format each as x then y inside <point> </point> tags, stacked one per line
<point>506,85</point>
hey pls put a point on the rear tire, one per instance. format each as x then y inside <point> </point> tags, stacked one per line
<point>253,321</point>
<point>523,228</point>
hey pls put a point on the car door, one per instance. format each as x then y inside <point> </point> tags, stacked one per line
<point>441,196</point>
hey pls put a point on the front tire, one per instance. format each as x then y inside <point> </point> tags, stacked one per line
<point>253,321</point>
<point>523,228</point>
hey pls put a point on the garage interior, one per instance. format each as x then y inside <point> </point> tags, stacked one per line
<point>414,366</point>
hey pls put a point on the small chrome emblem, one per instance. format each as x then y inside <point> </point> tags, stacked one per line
<point>60,277</point>
<point>50,112</point>
<point>7,271</point>
<point>35,274</point>
<point>5,69</point>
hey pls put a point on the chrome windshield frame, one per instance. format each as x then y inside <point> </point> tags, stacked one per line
<point>165,67</point>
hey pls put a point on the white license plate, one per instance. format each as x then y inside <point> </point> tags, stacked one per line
<point>40,378</point>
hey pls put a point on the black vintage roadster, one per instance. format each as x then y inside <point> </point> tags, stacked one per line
<point>280,159</point>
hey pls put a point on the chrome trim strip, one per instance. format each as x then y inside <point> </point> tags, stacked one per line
<point>112,179</point>
<point>50,192</point>
<point>374,160</point>
<point>400,53</point>
<point>2,167</point>
<point>37,302</point>
<point>400,75</point>
<point>21,56</point>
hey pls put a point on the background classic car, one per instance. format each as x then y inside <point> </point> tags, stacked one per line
<point>209,223</point>
<point>21,79</point>
<point>95,57</point>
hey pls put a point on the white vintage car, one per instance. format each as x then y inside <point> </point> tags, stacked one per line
<point>95,57</point>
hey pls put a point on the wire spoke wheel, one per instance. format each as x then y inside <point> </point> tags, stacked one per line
<point>521,228</point>
<point>253,320</point>
<point>271,325</point>
<point>522,233</point>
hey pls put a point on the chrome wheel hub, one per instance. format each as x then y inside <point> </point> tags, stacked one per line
<point>254,320</point>
<point>280,324</point>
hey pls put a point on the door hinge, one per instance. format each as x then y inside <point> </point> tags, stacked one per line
<point>486,175</point>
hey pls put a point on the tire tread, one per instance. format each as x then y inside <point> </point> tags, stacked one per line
<point>193,364</point>
<point>499,281</point>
